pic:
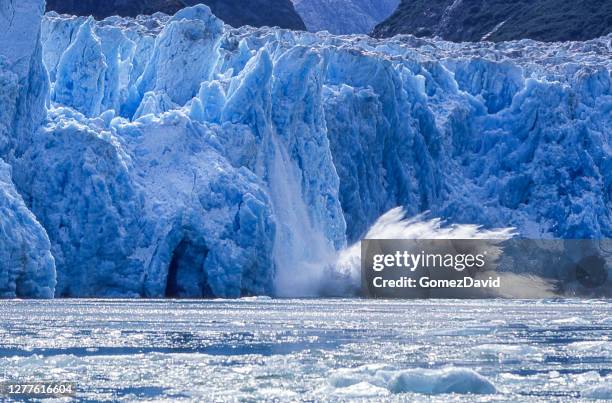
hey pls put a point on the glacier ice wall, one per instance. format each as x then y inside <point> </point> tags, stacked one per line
<point>27,267</point>
<point>23,80</point>
<point>81,71</point>
<point>182,157</point>
<point>148,208</point>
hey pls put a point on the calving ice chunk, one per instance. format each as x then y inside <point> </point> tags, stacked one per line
<point>182,157</point>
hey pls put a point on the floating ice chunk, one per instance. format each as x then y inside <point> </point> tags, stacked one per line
<point>598,392</point>
<point>599,348</point>
<point>422,381</point>
<point>442,381</point>
<point>509,353</point>
<point>361,390</point>
<point>262,298</point>
<point>345,377</point>
<point>571,321</point>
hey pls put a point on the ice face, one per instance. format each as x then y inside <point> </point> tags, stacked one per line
<point>184,55</point>
<point>80,80</point>
<point>182,157</point>
<point>27,268</point>
<point>23,80</point>
<point>148,208</point>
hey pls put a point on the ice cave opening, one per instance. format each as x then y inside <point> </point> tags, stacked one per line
<point>186,274</point>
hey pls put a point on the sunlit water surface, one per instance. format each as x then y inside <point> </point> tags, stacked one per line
<point>312,349</point>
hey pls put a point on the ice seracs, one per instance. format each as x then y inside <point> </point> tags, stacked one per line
<point>81,69</point>
<point>183,56</point>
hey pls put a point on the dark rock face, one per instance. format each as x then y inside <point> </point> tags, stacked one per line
<point>105,8</point>
<point>500,20</point>
<point>237,13</point>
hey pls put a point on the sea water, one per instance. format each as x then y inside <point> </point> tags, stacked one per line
<point>292,350</point>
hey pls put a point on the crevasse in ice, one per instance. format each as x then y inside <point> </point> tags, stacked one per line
<point>182,157</point>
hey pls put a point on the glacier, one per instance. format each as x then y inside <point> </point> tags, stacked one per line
<point>178,156</point>
<point>27,267</point>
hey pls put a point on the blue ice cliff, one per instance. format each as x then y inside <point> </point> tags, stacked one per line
<point>177,156</point>
<point>27,267</point>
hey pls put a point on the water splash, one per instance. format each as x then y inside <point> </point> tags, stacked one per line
<point>344,274</point>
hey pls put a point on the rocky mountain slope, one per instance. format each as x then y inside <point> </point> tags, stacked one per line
<point>344,16</point>
<point>257,13</point>
<point>500,20</point>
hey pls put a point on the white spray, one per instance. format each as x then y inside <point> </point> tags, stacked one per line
<point>339,274</point>
<point>301,250</point>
